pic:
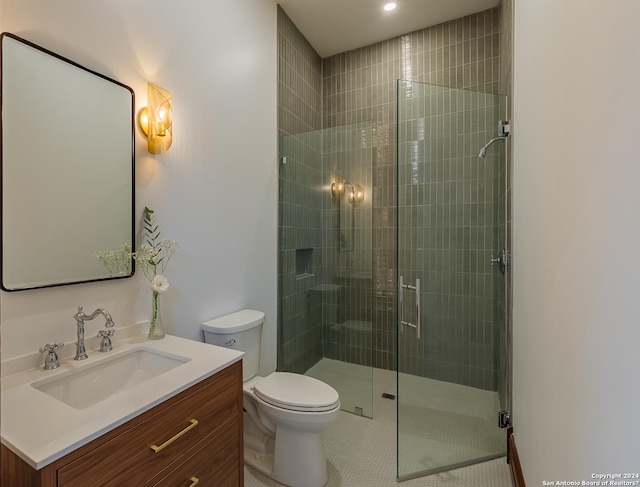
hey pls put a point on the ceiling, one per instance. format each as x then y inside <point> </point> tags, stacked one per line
<point>334,26</point>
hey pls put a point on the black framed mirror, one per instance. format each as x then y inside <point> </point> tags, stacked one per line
<point>68,169</point>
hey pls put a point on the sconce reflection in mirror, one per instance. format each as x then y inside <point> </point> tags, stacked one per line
<point>156,118</point>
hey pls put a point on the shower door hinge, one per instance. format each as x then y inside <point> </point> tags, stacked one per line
<point>501,260</point>
<point>504,419</point>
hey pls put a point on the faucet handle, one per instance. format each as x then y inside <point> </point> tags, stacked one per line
<point>105,339</point>
<point>51,347</point>
<point>51,360</point>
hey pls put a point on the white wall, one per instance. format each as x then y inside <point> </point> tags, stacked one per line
<point>215,190</point>
<point>577,238</point>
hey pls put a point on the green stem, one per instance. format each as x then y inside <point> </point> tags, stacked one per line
<point>154,310</point>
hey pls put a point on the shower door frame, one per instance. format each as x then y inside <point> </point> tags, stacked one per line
<point>314,294</point>
<point>413,323</point>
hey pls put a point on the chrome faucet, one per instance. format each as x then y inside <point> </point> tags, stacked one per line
<point>80,318</point>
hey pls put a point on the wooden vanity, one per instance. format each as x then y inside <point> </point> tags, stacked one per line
<point>193,438</point>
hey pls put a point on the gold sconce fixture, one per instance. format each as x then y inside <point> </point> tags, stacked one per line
<point>355,192</point>
<point>356,195</point>
<point>156,118</point>
<point>337,188</point>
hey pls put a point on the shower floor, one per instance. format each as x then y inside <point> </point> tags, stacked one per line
<point>448,424</point>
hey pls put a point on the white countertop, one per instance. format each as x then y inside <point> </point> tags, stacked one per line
<point>41,429</point>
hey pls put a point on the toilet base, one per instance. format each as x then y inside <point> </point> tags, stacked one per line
<point>262,462</point>
<point>295,458</point>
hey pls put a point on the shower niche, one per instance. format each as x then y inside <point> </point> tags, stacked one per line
<point>304,268</point>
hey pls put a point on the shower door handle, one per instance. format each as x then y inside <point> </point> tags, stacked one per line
<point>415,288</point>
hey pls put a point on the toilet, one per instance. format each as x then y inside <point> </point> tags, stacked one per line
<point>284,413</point>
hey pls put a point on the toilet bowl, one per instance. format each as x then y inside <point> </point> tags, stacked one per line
<point>284,413</point>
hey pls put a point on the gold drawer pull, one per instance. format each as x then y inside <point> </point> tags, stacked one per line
<point>194,481</point>
<point>157,449</point>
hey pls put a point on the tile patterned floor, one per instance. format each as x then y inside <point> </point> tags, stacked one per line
<point>361,452</point>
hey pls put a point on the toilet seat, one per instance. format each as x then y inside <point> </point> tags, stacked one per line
<point>296,392</point>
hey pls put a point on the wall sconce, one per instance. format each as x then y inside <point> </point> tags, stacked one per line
<point>156,118</point>
<point>356,194</point>
<point>337,188</point>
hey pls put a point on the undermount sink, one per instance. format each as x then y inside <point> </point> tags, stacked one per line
<point>108,377</point>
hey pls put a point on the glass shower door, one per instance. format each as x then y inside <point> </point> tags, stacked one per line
<point>451,290</point>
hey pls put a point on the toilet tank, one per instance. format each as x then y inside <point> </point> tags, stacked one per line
<point>242,331</point>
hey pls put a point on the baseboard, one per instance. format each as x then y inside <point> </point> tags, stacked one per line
<point>514,460</point>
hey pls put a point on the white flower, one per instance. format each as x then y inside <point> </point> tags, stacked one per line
<point>117,262</point>
<point>151,257</point>
<point>159,283</point>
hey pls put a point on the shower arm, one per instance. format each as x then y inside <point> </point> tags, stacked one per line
<point>504,131</point>
<point>483,151</point>
<point>500,137</point>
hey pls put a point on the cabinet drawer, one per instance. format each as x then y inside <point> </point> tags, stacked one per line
<point>128,459</point>
<point>216,463</point>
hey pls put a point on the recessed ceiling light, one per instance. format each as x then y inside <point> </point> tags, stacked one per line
<point>389,6</point>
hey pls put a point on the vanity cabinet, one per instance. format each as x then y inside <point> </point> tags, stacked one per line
<point>194,438</point>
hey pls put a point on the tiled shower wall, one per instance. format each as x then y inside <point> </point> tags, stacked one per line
<point>300,235</point>
<point>347,155</point>
<point>359,85</point>
<point>324,241</point>
<point>299,81</point>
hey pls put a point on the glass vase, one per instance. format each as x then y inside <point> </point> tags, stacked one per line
<point>156,330</point>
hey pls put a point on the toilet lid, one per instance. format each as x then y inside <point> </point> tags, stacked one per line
<point>297,392</point>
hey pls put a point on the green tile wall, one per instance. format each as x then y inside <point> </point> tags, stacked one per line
<point>347,155</point>
<point>359,85</point>
<point>355,87</point>
<point>300,198</point>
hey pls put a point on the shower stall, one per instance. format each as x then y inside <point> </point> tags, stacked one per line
<point>433,317</point>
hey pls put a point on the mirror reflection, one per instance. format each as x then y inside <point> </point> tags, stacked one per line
<point>67,168</point>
